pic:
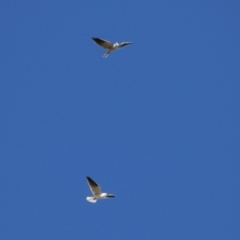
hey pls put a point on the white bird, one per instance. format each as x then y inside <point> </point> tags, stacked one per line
<point>110,46</point>
<point>97,193</point>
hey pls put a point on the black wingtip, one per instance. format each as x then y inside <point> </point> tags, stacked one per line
<point>111,196</point>
<point>88,178</point>
<point>91,182</point>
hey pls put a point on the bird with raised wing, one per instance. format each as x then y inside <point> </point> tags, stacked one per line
<point>110,46</point>
<point>97,193</point>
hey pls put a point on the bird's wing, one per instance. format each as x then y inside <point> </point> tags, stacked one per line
<point>91,199</point>
<point>94,187</point>
<point>124,44</point>
<point>111,196</point>
<point>102,43</point>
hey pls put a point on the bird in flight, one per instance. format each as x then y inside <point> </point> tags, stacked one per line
<point>97,193</point>
<point>110,46</point>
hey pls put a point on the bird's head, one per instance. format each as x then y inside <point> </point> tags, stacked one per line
<point>116,45</point>
<point>103,194</point>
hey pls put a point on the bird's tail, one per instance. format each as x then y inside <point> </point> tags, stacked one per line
<point>106,54</point>
<point>91,199</point>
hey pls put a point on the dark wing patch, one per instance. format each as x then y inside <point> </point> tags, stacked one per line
<point>124,44</point>
<point>98,40</point>
<point>110,196</point>
<point>103,43</point>
<point>91,182</point>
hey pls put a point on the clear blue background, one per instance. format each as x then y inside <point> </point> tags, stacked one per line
<point>156,123</point>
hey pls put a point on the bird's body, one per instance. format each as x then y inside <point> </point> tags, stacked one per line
<point>107,45</point>
<point>97,193</point>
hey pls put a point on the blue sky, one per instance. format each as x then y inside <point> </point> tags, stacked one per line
<point>156,123</point>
